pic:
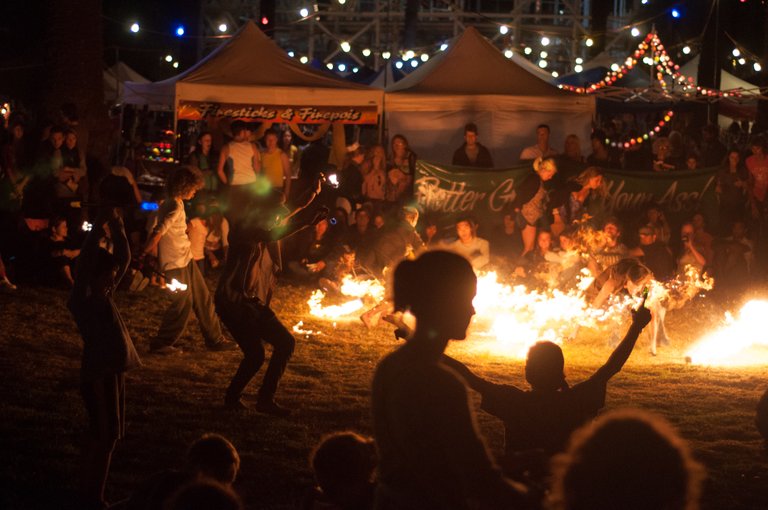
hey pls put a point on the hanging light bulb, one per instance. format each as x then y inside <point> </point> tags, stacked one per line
<point>542,63</point>
<point>545,41</point>
<point>757,67</point>
<point>329,65</point>
<point>342,67</point>
<point>508,53</point>
<point>424,57</point>
<point>366,52</point>
<point>736,52</point>
<point>528,50</point>
<point>589,42</point>
<point>543,54</point>
<point>399,64</point>
<point>578,68</point>
<point>304,59</point>
<point>686,50</point>
<point>345,46</point>
<point>635,32</point>
<point>503,29</point>
<point>385,55</point>
<point>579,60</point>
<point>443,47</point>
<point>304,12</point>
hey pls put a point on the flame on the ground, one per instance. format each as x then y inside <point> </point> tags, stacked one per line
<point>511,318</point>
<point>741,341</point>
<point>299,329</point>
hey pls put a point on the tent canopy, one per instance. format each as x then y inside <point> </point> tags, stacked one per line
<point>250,68</point>
<point>472,81</point>
<point>115,78</point>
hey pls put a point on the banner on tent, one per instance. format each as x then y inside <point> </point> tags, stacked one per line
<point>484,194</point>
<point>199,110</point>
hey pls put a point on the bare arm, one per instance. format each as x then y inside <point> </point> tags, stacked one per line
<point>475,382</point>
<point>256,160</point>
<point>605,292</point>
<point>640,318</point>
<point>222,161</point>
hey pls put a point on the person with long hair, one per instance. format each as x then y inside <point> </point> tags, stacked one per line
<point>431,454</point>
<point>531,199</point>
<point>579,192</point>
<point>204,158</point>
<point>629,459</point>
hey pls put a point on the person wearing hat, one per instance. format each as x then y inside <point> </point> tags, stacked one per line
<point>655,254</point>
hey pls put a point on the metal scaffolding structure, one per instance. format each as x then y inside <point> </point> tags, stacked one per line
<point>366,33</point>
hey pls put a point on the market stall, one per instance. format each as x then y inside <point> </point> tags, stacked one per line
<point>472,81</point>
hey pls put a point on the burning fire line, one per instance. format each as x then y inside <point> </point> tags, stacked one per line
<point>511,318</point>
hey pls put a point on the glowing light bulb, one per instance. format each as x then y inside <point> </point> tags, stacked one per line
<point>385,55</point>
<point>579,60</point>
<point>366,52</point>
<point>528,50</point>
<point>542,64</point>
<point>168,58</point>
<point>180,30</point>
<point>409,55</point>
<point>345,46</point>
<point>135,27</point>
<point>503,29</point>
<point>545,41</point>
<point>414,63</point>
<point>399,64</point>
<point>342,67</point>
<point>686,50</point>
<point>424,57</point>
<point>543,54</point>
<point>329,65</point>
<point>736,52</point>
<point>443,47</point>
<point>291,54</point>
<point>223,27</point>
<point>635,32</point>
<point>303,12</point>
<point>614,67</point>
<point>508,53</point>
<point>304,59</point>
<point>175,65</point>
<point>589,42</point>
<point>577,68</point>
<point>757,67</point>
<point>555,74</point>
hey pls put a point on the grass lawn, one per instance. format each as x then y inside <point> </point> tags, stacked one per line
<point>171,401</point>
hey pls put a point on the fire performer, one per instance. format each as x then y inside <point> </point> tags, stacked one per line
<point>633,276</point>
<point>171,239</point>
<point>108,351</point>
<point>245,291</point>
<point>539,422</point>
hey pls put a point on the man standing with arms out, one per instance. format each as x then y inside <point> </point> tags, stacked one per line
<point>277,166</point>
<point>472,153</point>
<point>175,253</point>
<point>542,148</point>
<point>243,164</point>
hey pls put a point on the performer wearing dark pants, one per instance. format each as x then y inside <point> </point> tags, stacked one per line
<point>244,293</point>
<point>170,236</point>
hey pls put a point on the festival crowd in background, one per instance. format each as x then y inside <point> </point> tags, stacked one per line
<point>67,221</point>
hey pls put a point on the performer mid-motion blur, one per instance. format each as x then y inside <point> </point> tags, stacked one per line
<point>245,290</point>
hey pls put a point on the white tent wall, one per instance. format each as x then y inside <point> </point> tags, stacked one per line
<point>434,136</point>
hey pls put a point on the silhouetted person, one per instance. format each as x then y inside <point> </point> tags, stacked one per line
<point>472,153</point>
<point>205,495</point>
<point>539,422</point>
<point>211,457</point>
<point>245,291</point>
<point>430,452</point>
<point>108,351</point>
<point>630,460</point>
<point>344,465</point>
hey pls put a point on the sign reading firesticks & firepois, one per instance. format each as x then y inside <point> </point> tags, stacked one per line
<point>197,110</point>
<point>452,191</point>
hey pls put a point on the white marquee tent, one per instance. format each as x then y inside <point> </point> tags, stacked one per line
<point>472,81</point>
<point>251,69</point>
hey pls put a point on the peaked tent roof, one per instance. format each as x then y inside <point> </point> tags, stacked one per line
<point>247,61</point>
<point>472,65</point>
<point>116,76</point>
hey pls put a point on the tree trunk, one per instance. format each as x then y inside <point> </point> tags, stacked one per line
<point>74,62</point>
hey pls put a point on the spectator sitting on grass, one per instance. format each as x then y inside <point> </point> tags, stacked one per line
<point>475,249</point>
<point>538,422</point>
<point>61,258</point>
<point>628,459</point>
<point>211,457</point>
<point>344,465</point>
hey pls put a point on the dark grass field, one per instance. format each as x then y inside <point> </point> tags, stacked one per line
<point>173,400</point>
